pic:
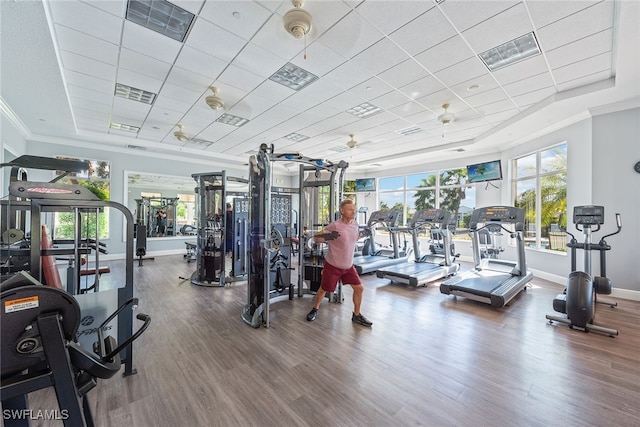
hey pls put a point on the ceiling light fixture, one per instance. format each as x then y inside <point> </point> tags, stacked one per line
<point>214,101</point>
<point>296,137</point>
<point>134,94</point>
<point>160,16</point>
<point>229,119</point>
<point>179,134</point>
<point>122,126</point>
<point>293,77</point>
<point>364,110</point>
<point>511,52</point>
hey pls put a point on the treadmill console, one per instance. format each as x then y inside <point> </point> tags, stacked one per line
<point>431,216</point>
<point>388,217</point>
<point>588,215</point>
<point>497,214</point>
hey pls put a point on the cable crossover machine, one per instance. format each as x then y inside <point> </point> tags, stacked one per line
<point>270,227</point>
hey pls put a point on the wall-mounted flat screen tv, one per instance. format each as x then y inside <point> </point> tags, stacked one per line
<point>487,171</point>
<point>366,184</point>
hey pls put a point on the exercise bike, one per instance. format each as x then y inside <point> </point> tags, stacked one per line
<point>579,299</point>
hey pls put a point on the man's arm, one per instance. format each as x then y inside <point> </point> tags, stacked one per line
<point>323,237</point>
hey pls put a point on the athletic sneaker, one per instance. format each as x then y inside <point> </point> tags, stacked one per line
<point>312,314</point>
<point>360,319</point>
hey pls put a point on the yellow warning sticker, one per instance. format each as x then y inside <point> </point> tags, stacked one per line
<point>21,304</point>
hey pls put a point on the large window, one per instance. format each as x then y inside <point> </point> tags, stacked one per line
<point>445,189</point>
<point>540,188</point>
<point>97,178</point>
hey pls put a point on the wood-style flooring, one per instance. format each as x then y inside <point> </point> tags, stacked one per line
<point>429,360</point>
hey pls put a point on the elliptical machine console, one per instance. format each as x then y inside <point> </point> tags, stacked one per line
<point>580,296</point>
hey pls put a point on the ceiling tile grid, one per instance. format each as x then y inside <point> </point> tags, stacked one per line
<point>407,58</point>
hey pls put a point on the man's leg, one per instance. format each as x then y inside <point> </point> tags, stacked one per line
<point>358,290</point>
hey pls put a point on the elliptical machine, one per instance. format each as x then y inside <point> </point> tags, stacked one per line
<point>580,297</point>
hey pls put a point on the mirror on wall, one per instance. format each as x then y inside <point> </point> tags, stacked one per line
<point>165,204</point>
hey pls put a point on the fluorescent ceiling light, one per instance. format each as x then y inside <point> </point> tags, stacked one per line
<point>296,137</point>
<point>232,120</point>
<point>364,110</point>
<point>410,130</point>
<point>160,16</point>
<point>339,148</point>
<point>128,128</point>
<point>511,52</point>
<point>293,77</point>
<point>134,94</point>
<point>199,141</point>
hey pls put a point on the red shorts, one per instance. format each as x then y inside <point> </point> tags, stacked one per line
<point>331,275</point>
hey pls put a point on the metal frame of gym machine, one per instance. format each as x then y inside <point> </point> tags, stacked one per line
<point>48,197</point>
<point>266,241</point>
<point>580,296</point>
<point>210,256</point>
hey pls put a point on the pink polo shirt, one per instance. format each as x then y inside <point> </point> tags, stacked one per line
<point>341,250</point>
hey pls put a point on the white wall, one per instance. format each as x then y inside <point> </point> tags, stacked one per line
<point>616,186</point>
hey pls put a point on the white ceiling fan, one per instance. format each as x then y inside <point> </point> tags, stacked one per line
<point>352,144</point>
<point>182,136</point>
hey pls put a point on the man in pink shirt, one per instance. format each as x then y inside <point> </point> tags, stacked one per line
<point>341,237</point>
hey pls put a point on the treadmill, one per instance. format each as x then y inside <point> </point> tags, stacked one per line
<point>432,266</point>
<point>385,220</point>
<point>492,281</point>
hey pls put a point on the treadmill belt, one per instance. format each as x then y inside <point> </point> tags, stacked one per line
<point>481,282</point>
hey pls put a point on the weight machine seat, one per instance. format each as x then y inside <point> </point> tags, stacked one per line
<point>49,268</point>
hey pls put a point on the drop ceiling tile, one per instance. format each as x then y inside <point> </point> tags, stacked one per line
<point>484,82</point>
<point>502,116</point>
<point>467,13</point>
<point>101,116</point>
<point>404,73</point>
<point>434,100</point>
<point>586,80</point>
<point>139,81</point>
<point>82,64</point>
<point>533,97</point>
<point>89,94</point>
<point>372,88</point>
<point>320,60</point>
<point>132,107</point>
<point>529,84</point>
<point>387,16</point>
<point>275,91</point>
<point>85,45</point>
<point>380,57</point>
<point>86,18</point>
<point>497,107</point>
<point>544,13</point>
<point>150,43</point>
<point>179,93</point>
<point>513,23</point>
<point>89,82</point>
<point>190,80</point>
<point>91,105</point>
<point>579,25</point>
<point>520,70</point>
<point>463,71</point>
<point>213,40</point>
<point>350,36</point>
<point>321,90</point>
<point>242,18</point>
<point>576,70</point>
<point>161,113</point>
<point>166,102</point>
<point>258,61</point>
<point>484,98</point>
<point>201,63</point>
<point>114,7</point>
<point>445,54</point>
<point>348,75</point>
<point>240,78</point>
<point>423,87</point>
<point>389,100</point>
<point>408,109</point>
<point>589,46</point>
<point>143,64</point>
<point>424,32</point>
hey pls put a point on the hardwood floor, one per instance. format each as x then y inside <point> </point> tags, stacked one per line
<point>429,359</point>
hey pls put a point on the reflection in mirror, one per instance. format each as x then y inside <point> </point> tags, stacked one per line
<point>165,205</point>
